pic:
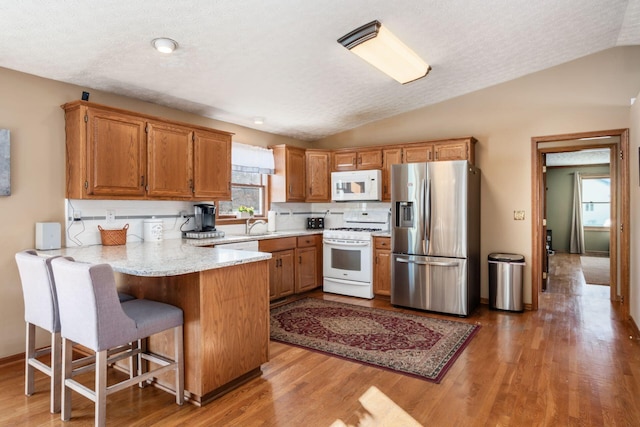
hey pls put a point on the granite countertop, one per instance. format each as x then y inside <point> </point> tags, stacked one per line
<point>236,238</point>
<point>381,234</point>
<point>170,257</point>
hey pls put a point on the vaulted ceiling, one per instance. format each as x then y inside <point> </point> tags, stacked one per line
<point>279,59</point>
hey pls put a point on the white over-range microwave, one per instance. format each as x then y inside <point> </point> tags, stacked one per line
<point>360,185</point>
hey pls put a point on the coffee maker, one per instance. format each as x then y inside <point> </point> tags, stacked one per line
<point>205,216</point>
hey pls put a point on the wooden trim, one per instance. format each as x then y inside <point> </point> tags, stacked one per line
<point>75,104</point>
<point>12,359</point>
<point>619,174</point>
<point>634,329</point>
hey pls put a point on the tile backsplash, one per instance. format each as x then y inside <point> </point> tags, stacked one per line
<point>91,213</point>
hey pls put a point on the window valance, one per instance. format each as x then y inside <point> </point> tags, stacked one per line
<point>251,159</point>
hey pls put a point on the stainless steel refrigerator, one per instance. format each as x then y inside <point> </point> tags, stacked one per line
<point>435,236</point>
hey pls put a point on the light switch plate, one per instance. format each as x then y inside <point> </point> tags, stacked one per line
<point>518,215</point>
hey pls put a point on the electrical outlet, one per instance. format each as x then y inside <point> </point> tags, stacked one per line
<point>77,215</point>
<point>518,215</point>
<point>111,215</point>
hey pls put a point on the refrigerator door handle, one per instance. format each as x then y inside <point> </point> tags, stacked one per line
<point>433,263</point>
<point>426,213</point>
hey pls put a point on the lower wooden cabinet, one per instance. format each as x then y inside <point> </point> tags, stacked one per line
<point>295,266</point>
<point>309,263</point>
<point>281,274</point>
<point>382,266</point>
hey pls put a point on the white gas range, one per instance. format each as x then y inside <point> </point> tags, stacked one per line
<point>348,254</point>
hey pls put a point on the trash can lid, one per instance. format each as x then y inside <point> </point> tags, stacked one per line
<point>506,257</point>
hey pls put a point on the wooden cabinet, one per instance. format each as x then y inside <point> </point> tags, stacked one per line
<point>169,160</point>
<point>117,154</point>
<point>453,151</point>
<point>390,156</point>
<point>288,183</point>
<point>418,153</point>
<point>359,159</point>
<point>318,175</point>
<point>106,154</point>
<point>296,265</point>
<point>211,165</point>
<point>281,265</point>
<point>434,151</point>
<point>382,266</point>
<point>309,263</point>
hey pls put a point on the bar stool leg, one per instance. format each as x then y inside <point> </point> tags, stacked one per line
<point>56,371</point>
<point>179,360</point>
<point>67,367</point>
<point>29,381</point>
<point>101,388</point>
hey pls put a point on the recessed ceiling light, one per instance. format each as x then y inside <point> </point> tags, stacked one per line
<point>258,120</point>
<point>164,45</point>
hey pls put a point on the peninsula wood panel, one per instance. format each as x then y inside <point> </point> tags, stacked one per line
<point>235,310</point>
<point>226,328</point>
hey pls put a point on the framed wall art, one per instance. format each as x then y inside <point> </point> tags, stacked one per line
<point>5,162</point>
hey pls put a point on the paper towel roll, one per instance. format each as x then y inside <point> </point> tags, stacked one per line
<point>271,221</point>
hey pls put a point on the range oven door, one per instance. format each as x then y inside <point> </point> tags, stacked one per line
<point>347,259</point>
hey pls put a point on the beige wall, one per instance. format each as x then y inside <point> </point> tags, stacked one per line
<point>30,109</point>
<point>634,170</point>
<point>588,94</point>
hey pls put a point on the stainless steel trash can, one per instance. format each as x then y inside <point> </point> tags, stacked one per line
<point>505,281</point>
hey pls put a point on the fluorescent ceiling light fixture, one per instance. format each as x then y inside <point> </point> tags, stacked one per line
<point>379,47</point>
<point>164,45</point>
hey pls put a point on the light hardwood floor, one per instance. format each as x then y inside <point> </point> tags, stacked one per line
<point>572,362</point>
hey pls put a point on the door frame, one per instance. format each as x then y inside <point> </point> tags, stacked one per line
<point>619,173</point>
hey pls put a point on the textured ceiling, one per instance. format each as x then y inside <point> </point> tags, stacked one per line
<point>279,59</point>
<point>578,158</point>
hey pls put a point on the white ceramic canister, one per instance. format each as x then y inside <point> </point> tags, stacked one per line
<point>152,230</point>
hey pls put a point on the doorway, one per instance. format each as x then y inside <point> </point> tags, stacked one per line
<point>618,143</point>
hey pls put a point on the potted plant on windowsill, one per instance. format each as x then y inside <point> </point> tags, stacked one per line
<point>244,212</point>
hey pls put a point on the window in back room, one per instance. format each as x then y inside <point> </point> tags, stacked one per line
<point>596,200</point>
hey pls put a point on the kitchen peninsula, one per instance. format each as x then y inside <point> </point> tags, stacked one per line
<point>224,294</point>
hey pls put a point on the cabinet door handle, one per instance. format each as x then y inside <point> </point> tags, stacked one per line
<point>300,259</point>
<point>142,181</point>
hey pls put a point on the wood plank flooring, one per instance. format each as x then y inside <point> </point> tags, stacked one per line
<point>572,362</point>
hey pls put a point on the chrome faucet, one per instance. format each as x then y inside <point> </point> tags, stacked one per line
<point>248,226</point>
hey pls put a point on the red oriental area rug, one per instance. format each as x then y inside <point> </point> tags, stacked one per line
<point>420,346</point>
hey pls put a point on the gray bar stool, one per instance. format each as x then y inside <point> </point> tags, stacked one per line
<point>41,310</point>
<point>92,316</point>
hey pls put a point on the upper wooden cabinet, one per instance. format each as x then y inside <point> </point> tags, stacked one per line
<point>435,151</point>
<point>169,160</point>
<point>117,154</point>
<point>390,156</point>
<point>289,181</point>
<point>108,155</point>
<point>318,175</point>
<point>211,180</point>
<point>359,159</point>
